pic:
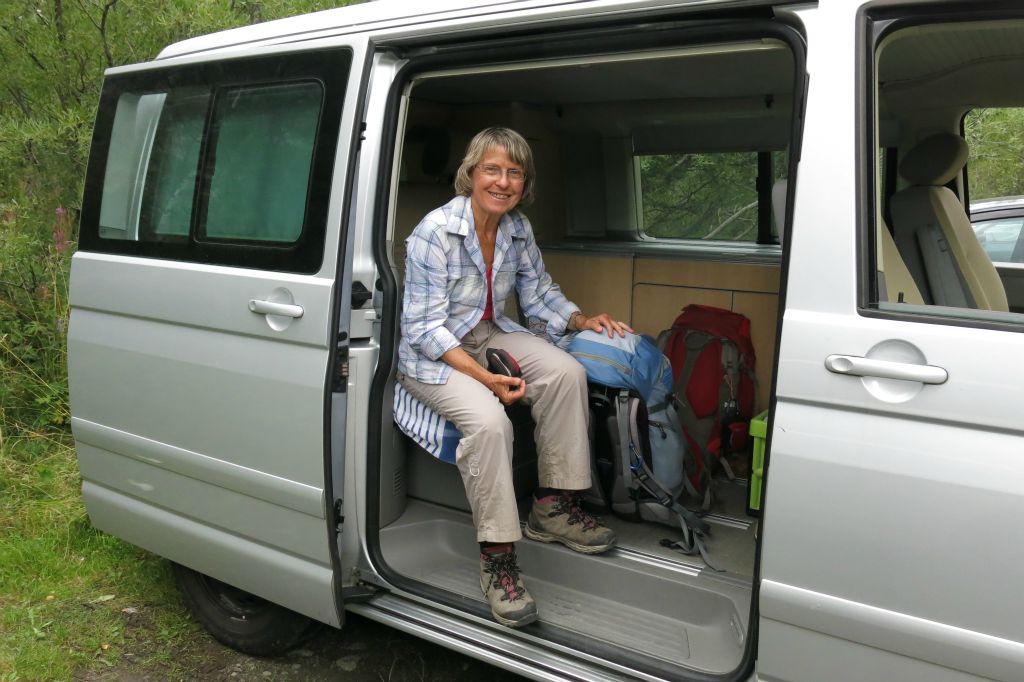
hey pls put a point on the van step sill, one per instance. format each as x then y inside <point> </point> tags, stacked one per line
<point>662,608</point>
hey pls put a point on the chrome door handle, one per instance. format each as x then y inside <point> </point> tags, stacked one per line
<point>272,308</point>
<point>856,366</point>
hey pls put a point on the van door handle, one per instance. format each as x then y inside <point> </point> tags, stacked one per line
<point>273,308</point>
<point>856,366</point>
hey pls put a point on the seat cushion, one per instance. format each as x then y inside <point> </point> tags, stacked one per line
<point>426,428</point>
<point>429,476</point>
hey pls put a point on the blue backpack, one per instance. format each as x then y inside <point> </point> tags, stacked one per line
<point>639,452</point>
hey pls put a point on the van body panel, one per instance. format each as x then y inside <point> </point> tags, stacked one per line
<point>199,407</point>
<point>926,640</point>
<point>245,514</point>
<point>195,353</point>
<point>405,20</point>
<point>251,482</point>
<point>139,375</point>
<point>812,655</point>
<point>250,564</point>
<point>907,481</point>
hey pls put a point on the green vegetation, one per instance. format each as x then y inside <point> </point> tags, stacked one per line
<point>703,196</point>
<point>995,138</point>
<point>67,592</point>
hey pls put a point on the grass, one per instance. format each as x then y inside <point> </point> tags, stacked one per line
<point>73,601</point>
<point>69,593</point>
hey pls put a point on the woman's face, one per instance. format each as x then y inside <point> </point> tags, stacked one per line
<point>494,192</point>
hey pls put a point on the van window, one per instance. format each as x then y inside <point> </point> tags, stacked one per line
<point>264,145</point>
<point>708,196</point>
<point>218,163</point>
<point>995,145</point>
<point>257,170</point>
<point>926,260</point>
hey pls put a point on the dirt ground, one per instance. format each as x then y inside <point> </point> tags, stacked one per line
<point>364,651</point>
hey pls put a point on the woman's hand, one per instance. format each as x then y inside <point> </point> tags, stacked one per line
<point>602,323</point>
<point>507,389</point>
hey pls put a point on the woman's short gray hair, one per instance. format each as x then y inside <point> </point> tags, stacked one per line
<point>514,144</point>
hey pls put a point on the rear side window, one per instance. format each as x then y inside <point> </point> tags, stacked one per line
<point>721,196</point>
<point>225,163</point>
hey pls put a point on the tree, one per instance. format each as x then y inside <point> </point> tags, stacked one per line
<point>54,53</point>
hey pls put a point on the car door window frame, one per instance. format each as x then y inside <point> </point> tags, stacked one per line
<point>329,67</point>
<point>874,24</point>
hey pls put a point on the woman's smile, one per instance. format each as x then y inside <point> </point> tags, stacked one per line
<point>495,193</point>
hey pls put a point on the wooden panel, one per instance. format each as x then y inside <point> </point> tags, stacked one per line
<point>762,310</point>
<point>708,274</point>
<point>655,307</point>
<point>597,284</point>
<point>661,288</point>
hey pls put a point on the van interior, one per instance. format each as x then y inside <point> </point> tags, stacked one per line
<point>606,130</point>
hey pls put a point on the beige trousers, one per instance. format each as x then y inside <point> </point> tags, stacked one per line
<point>556,391</point>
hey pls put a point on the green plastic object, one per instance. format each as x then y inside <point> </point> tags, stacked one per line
<point>758,431</point>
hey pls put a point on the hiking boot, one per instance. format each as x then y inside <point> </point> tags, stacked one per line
<point>560,518</point>
<point>510,603</point>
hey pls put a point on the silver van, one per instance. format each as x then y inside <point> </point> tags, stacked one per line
<point>235,305</point>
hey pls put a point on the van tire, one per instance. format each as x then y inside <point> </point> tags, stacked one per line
<point>239,619</point>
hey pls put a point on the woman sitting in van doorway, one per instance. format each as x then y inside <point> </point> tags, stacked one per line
<point>463,260</point>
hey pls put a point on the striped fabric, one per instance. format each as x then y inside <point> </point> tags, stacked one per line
<point>429,430</point>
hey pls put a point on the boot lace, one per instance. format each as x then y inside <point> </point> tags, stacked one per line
<point>570,504</point>
<point>505,575</point>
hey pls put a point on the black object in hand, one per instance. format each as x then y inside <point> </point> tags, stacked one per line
<point>500,362</point>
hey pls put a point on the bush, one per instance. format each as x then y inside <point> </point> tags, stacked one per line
<point>54,55</point>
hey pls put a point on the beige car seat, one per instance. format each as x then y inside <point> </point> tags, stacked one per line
<point>934,235</point>
<point>898,285</point>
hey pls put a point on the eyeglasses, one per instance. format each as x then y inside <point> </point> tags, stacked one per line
<point>495,172</point>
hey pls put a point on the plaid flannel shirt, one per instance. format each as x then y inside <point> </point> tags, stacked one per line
<point>446,288</point>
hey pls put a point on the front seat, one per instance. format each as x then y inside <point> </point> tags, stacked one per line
<point>934,235</point>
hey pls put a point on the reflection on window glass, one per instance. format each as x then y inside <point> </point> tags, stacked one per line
<point>999,238</point>
<point>257,177</point>
<point>150,176</point>
<point>703,196</point>
<point>264,151</point>
<point>171,181</point>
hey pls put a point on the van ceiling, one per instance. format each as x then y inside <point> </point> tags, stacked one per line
<point>724,71</point>
<point>954,64</point>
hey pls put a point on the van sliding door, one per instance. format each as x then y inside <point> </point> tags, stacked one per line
<point>202,295</point>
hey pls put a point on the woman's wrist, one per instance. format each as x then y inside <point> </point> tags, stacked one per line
<point>573,325</point>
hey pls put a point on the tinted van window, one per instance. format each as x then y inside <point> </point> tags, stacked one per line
<point>225,163</point>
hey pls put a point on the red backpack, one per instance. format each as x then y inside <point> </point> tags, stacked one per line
<point>713,374</point>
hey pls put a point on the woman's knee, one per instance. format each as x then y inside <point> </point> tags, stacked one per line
<point>491,421</point>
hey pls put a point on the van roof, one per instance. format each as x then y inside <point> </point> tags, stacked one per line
<point>390,14</point>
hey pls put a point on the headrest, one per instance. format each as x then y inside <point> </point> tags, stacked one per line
<point>934,160</point>
<point>779,205</point>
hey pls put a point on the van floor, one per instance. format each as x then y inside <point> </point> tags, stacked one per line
<point>640,596</point>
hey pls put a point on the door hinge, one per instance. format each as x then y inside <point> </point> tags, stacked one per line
<point>340,382</point>
<point>339,514</point>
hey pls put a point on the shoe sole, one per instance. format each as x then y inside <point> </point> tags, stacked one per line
<point>508,622</point>
<point>541,536</point>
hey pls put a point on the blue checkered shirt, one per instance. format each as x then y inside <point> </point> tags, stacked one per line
<point>446,287</point>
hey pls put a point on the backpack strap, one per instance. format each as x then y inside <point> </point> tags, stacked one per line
<point>625,442</point>
<point>637,474</point>
<point>669,404</point>
<point>693,527</point>
<point>662,341</point>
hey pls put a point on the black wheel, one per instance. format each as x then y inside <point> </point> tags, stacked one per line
<point>239,619</point>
